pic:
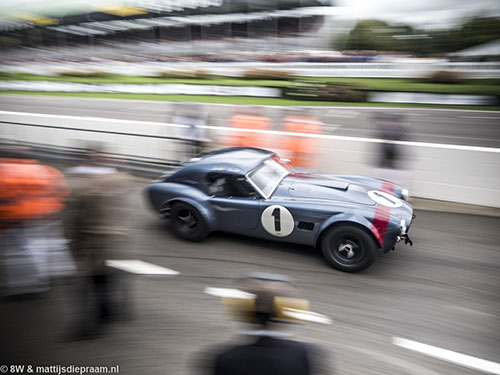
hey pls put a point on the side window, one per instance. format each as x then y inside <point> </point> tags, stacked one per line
<point>228,185</point>
<point>217,184</point>
<point>241,187</point>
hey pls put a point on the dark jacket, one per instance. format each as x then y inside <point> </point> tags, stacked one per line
<point>99,208</point>
<point>270,356</point>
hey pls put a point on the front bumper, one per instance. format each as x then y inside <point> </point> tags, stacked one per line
<point>403,234</point>
<point>406,238</point>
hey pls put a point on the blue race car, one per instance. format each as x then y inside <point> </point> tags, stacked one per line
<point>251,191</point>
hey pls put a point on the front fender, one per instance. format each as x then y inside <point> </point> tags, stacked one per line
<point>349,218</point>
<point>204,209</point>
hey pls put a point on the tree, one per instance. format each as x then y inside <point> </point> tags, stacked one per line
<point>364,35</point>
<point>378,35</point>
<point>477,31</point>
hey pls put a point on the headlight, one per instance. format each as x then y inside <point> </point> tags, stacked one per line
<point>402,226</point>
<point>405,194</point>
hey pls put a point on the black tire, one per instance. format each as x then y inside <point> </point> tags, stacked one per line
<point>348,248</point>
<point>187,222</point>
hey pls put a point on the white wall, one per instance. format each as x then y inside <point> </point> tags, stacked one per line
<point>462,174</point>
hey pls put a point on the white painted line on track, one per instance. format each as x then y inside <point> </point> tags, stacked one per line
<point>482,117</point>
<point>139,267</point>
<point>468,310</point>
<point>308,316</point>
<point>342,113</point>
<point>319,107</point>
<point>449,356</point>
<point>272,132</point>
<point>360,108</point>
<point>404,366</point>
<point>228,293</point>
<point>100,119</point>
<point>359,139</point>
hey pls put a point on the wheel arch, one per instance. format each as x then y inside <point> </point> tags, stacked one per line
<point>205,211</point>
<point>350,219</point>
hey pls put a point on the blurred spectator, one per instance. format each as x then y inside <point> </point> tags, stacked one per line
<point>264,301</point>
<point>32,246</point>
<point>249,118</point>
<point>391,128</point>
<point>192,133</point>
<point>390,162</point>
<point>300,150</point>
<point>98,214</point>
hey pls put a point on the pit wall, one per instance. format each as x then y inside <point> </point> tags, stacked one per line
<point>462,174</point>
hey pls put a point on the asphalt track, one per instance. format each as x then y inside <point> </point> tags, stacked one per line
<point>459,127</point>
<point>443,292</point>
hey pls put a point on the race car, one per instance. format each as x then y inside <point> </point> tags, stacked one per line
<point>251,191</point>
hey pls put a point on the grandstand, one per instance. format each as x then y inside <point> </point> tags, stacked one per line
<point>158,21</point>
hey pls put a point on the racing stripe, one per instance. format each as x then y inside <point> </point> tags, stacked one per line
<point>382,214</point>
<point>387,187</point>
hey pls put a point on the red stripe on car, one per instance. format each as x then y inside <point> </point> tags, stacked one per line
<point>387,187</point>
<point>382,214</point>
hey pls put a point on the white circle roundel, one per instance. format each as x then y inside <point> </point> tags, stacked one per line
<point>385,199</point>
<point>277,220</point>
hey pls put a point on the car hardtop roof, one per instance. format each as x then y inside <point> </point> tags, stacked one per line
<point>236,151</point>
<point>234,160</point>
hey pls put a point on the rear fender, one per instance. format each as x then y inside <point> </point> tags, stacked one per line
<point>349,218</point>
<point>203,209</point>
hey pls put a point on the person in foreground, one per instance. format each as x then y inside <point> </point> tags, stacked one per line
<point>98,220</point>
<point>266,300</point>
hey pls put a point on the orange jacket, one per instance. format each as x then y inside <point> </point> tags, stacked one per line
<point>301,149</point>
<point>29,190</point>
<point>248,139</point>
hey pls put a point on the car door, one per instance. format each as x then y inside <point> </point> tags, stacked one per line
<point>235,204</point>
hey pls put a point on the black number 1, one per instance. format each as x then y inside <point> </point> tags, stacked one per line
<point>277,219</point>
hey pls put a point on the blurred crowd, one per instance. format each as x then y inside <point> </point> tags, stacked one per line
<point>52,230</point>
<point>295,134</point>
<point>292,137</point>
<point>220,50</point>
<point>32,244</point>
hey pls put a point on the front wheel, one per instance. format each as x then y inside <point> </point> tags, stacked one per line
<point>348,248</point>
<point>187,222</point>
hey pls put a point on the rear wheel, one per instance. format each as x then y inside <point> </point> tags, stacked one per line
<point>348,248</point>
<point>187,222</point>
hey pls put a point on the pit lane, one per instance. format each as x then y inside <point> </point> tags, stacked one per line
<point>443,291</point>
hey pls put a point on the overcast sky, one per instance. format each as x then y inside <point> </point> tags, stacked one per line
<point>418,12</point>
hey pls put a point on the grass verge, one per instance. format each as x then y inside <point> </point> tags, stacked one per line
<point>478,86</point>
<point>239,100</point>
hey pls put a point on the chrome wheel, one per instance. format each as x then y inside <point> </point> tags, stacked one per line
<point>349,248</point>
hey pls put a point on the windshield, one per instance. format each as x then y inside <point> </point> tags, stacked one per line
<point>267,176</point>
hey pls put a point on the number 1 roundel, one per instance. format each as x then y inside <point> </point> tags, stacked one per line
<point>277,220</point>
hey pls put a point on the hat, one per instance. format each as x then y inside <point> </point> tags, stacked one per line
<point>262,298</point>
